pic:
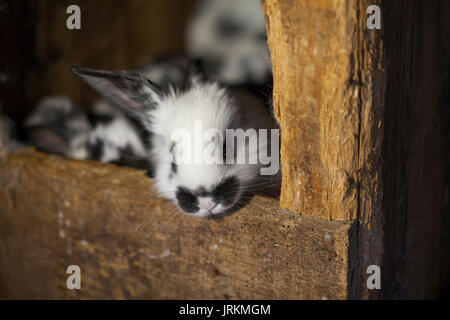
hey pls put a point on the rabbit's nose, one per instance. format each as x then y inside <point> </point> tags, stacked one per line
<point>206,203</point>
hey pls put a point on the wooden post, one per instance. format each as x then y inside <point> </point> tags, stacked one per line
<point>362,114</point>
<point>324,80</point>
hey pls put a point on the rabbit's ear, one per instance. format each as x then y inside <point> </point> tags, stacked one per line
<point>129,91</point>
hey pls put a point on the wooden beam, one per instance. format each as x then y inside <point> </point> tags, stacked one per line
<point>364,119</point>
<point>317,82</point>
<point>129,243</point>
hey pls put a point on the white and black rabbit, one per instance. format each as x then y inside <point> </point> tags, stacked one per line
<point>100,132</point>
<point>103,133</point>
<point>201,188</point>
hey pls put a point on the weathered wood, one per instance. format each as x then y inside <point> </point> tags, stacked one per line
<point>365,121</point>
<point>369,86</point>
<point>317,101</point>
<point>114,35</point>
<point>129,243</point>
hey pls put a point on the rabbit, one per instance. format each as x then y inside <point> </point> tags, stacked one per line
<point>99,131</point>
<point>230,36</point>
<point>225,168</point>
<point>58,126</point>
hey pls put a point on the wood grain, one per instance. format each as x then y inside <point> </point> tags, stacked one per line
<point>114,35</point>
<point>365,121</point>
<point>316,100</point>
<point>129,243</point>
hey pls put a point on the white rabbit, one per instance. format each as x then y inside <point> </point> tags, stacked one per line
<point>204,114</point>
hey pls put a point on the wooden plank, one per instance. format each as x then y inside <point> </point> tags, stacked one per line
<point>316,98</point>
<point>369,86</point>
<point>416,152</point>
<point>114,35</point>
<point>129,243</point>
<point>329,91</point>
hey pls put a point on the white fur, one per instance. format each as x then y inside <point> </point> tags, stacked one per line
<point>213,108</point>
<point>115,136</point>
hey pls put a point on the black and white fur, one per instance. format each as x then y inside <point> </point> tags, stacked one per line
<point>230,37</point>
<point>57,126</point>
<point>103,133</point>
<point>197,189</point>
<point>100,131</point>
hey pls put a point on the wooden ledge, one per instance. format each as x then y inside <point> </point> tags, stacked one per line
<point>130,243</point>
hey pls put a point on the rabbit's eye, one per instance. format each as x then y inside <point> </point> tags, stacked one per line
<point>173,152</point>
<point>224,152</point>
<point>173,167</point>
<point>171,147</point>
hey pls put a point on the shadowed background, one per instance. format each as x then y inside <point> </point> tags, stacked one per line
<point>114,35</point>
